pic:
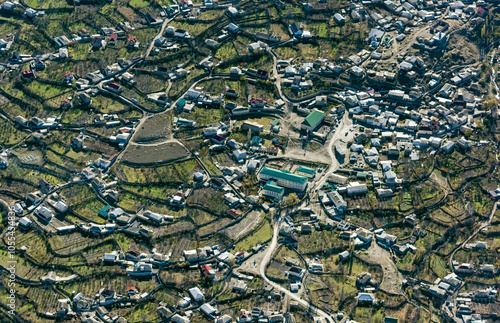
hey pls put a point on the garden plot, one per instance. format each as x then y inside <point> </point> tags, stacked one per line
<point>154,153</point>
<point>154,129</point>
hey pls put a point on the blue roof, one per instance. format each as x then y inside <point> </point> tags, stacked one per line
<point>365,297</point>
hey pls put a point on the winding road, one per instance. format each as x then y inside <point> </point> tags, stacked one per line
<point>262,270</point>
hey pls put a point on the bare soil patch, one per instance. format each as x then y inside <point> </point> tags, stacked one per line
<point>154,129</point>
<point>154,154</point>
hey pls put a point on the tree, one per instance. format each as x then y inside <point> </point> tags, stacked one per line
<point>292,200</point>
<point>491,104</point>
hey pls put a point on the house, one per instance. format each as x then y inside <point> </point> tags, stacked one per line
<point>465,269</point>
<point>98,42</point>
<point>7,5</point>
<point>234,213</point>
<point>273,190</point>
<point>295,29</point>
<point>30,13</point>
<point>487,269</point>
<point>262,74</point>
<point>239,155</point>
<point>356,188</point>
<point>27,75</point>
<point>208,271</point>
<point>339,19</point>
<point>253,126</point>
<point>38,64</point>
<point>283,178</point>
<point>365,298</point>
<point>44,213</point>
<point>132,41</point>
<point>112,39</point>
<point>25,223</point>
<point>114,87</point>
<point>224,319</point>
<point>196,294</point>
<point>313,120</point>
<point>181,34</point>
<point>386,240</point>
<point>64,308</point>
<point>141,270</point>
<point>233,28</point>
<point>254,47</point>
<point>363,279</point>
<point>179,319</point>
<point>448,147</point>
<point>338,201</point>
<point>212,43</point>
<point>150,19</point>
<point>208,309</point>
<point>344,255</point>
<point>231,93</point>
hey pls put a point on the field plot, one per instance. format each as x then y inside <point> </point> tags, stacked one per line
<point>244,226</point>
<point>154,153</point>
<point>9,135</point>
<point>214,226</point>
<point>155,128</point>
<point>208,197</point>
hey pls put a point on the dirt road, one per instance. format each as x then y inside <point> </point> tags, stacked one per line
<point>392,278</point>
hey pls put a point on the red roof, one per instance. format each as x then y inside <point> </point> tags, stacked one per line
<point>113,37</point>
<point>132,39</point>
<point>258,100</point>
<point>114,86</point>
<point>27,74</point>
<point>481,10</point>
<point>206,269</point>
<point>234,213</point>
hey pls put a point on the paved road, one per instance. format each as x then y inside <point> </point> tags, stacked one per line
<point>162,30</point>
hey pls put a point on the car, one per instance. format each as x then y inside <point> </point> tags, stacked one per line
<point>346,133</point>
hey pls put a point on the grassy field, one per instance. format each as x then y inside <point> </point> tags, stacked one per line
<point>265,232</point>
<point>226,51</point>
<point>9,135</point>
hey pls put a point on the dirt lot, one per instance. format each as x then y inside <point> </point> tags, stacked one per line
<point>244,226</point>
<point>154,153</point>
<point>392,278</point>
<point>154,129</point>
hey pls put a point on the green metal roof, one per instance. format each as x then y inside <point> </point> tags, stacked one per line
<point>390,319</point>
<point>181,101</point>
<point>104,212</point>
<point>185,121</point>
<point>361,175</point>
<point>275,122</point>
<point>283,174</point>
<point>256,140</point>
<point>273,187</point>
<point>313,118</point>
<point>306,170</point>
